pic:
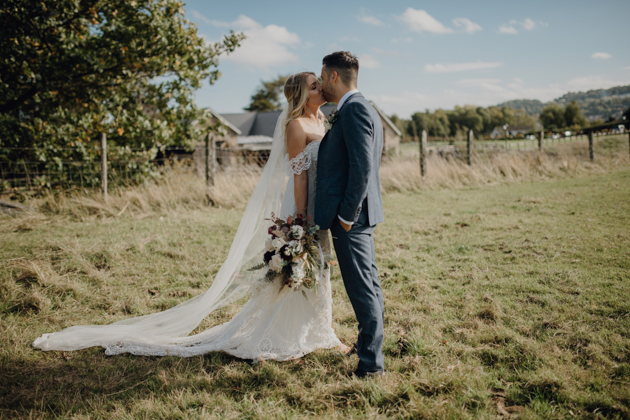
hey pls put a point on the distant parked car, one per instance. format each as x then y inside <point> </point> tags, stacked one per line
<point>531,137</point>
<point>567,134</point>
<point>555,136</point>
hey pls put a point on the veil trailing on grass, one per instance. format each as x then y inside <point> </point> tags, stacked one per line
<point>232,282</point>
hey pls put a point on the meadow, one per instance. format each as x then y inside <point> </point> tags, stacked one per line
<point>506,291</point>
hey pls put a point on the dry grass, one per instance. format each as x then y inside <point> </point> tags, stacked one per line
<point>182,190</point>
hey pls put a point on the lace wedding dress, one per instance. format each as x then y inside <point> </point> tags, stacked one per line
<point>277,322</point>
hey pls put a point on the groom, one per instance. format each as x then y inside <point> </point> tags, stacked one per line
<point>349,200</point>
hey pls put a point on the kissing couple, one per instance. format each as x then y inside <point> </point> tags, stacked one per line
<point>332,166</point>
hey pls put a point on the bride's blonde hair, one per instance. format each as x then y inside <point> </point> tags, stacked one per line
<point>296,92</point>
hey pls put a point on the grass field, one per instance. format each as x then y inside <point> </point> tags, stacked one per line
<point>503,299</point>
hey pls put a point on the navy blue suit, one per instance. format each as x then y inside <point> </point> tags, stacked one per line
<point>348,185</point>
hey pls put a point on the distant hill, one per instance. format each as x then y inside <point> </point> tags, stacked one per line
<point>531,106</point>
<point>595,104</point>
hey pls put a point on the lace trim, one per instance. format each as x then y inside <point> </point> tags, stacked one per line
<point>303,161</point>
<point>300,163</point>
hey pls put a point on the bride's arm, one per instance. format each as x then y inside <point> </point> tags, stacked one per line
<point>296,142</point>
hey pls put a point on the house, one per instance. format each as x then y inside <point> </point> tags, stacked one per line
<point>256,129</point>
<point>226,140</point>
<point>499,132</point>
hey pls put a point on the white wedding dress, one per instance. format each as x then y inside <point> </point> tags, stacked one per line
<point>277,322</point>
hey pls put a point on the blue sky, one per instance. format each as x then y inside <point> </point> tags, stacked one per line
<point>417,55</point>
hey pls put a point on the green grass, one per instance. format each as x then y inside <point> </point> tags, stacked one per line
<point>503,300</point>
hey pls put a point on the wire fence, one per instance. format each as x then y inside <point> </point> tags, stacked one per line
<point>139,165</point>
<point>132,166</point>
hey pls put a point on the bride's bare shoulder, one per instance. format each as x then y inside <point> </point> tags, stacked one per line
<point>296,137</point>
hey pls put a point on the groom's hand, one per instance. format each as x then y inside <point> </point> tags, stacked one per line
<point>345,226</point>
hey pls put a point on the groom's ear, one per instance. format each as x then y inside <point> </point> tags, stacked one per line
<point>334,77</point>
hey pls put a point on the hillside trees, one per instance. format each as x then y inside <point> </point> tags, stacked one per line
<point>70,69</point>
<point>573,116</point>
<point>552,117</point>
<point>268,96</point>
<point>555,117</point>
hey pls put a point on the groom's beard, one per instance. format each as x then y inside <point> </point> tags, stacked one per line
<point>327,96</point>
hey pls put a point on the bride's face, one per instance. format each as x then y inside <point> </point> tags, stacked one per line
<point>315,91</point>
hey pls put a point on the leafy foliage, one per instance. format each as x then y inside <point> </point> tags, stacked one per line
<point>267,97</point>
<point>71,69</point>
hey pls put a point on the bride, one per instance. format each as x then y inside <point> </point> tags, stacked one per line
<point>276,322</point>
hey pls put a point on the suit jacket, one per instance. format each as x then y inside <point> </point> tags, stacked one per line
<point>348,165</point>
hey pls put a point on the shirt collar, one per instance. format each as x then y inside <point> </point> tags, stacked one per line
<point>345,97</point>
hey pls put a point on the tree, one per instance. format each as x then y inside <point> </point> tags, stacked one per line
<point>403,126</point>
<point>552,117</point>
<point>573,116</point>
<point>267,96</point>
<point>71,69</point>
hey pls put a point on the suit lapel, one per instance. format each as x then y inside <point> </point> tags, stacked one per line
<point>350,98</point>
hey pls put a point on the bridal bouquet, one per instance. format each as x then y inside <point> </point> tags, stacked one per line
<point>292,251</point>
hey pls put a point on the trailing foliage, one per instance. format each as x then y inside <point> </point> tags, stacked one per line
<point>72,69</point>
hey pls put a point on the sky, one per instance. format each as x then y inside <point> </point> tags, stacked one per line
<point>418,55</point>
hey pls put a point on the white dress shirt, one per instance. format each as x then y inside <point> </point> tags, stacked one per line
<point>339,105</point>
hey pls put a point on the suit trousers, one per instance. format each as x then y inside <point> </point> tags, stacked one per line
<point>357,262</point>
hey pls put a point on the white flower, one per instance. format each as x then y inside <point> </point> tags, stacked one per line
<point>287,251</point>
<point>297,272</point>
<point>276,263</point>
<point>297,231</point>
<point>296,247</point>
<point>268,245</point>
<point>278,243</point>
<point>327,124</point>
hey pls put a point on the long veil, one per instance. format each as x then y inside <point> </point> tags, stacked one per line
<point>231,283</point>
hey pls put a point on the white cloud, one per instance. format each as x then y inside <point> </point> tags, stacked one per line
<point>265,46</point>
<point>627,68</point>
<point>529,24</point>
<point>601,55</point>
<point>487,84</point>
<point>420,21</point>
<point>507,29</point>
<point>592,82</point>
<point>370,20</point>
<point>368,62</point>
<point>455,67</point>
<point>470,27</point>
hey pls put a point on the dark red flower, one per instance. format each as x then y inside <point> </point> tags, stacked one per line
<point>267,256</point>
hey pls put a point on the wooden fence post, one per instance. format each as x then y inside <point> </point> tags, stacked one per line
<point>104,165</point>
<point>591,152</point>
<point>210,160</point>
<point>541,136</point>
<point>469,145</point>
<point>423,154</point>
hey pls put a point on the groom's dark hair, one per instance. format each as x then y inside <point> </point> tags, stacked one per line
<point>345,64</point>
